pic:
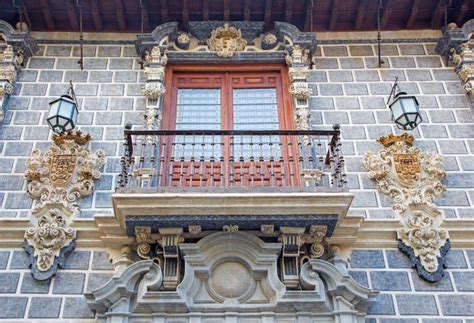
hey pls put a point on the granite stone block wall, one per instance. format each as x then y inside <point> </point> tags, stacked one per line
<point>348,89</point>
<point>22,297</point>
<point>405,297</point>
<point>109,94</point>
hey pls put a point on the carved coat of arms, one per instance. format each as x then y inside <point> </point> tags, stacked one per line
<point>56,180</point>
<point>226,40</point>
<point>412,178</point>
<point>407,167</point>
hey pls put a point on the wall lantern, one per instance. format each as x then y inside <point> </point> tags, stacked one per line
<point>63,112</point>
<point>405,109</point>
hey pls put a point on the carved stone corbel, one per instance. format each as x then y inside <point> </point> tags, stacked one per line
<point>15,47</point>
<point>169,241</point>
<point>163,248</point>
<point>413,179</point>
<point>57,180</point>
<point>292,240</point>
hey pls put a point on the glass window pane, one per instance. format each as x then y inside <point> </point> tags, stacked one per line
<point>198,109</point>
<point>256,109</point>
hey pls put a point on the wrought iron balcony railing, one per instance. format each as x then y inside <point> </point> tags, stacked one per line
<point>184,159</point>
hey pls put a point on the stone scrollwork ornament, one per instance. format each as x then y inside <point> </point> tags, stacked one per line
<point>226,40</point>
<point>57,180</point>
<point>412,178</point>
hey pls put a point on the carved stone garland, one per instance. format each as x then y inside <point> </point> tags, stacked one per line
<point>412,178</point>
<point>57,180</point>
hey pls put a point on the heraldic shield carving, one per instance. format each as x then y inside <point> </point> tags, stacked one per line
<point>413,179</point>
<point>57,180</point>
<point>226,40</point>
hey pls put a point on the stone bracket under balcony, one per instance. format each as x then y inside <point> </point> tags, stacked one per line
<point>212,211</point>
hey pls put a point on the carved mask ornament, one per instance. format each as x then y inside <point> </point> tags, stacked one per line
<point>56,180</point>
<point>413,179</point>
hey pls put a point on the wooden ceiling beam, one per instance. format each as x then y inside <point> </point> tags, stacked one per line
<point>288,11</point>
<point>164,11</point>
<point>146,18</point>
<point>386,14</point>
<point>71,13</point>
<point>307,18</point>
<point>226,10</point>
<point>438,14</point>
<point>120,14</point>
<point>185,13</point>
<point>246,10</point>
<point>360,14</point>
<point>413,14</point>
<point>462,10</point>
<point>334,14</point>
<point>48,17</point>
<point>205,10</point>
<point>96,17</point>
<point>268,14</point>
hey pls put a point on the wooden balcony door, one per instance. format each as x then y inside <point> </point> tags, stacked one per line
<point>233,100</point>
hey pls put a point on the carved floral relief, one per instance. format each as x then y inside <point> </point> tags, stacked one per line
<point>412,178</point>
<point>57,180</point>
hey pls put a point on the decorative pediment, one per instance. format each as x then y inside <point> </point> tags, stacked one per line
<point>412,178</point>
<point>219,41</point>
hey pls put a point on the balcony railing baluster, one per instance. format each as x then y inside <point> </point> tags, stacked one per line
<point>231,158</point>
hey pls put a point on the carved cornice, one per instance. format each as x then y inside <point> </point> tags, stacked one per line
<point>413,179</point>
<point>57,180</point>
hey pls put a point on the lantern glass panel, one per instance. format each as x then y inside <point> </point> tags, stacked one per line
<point>62,114</point>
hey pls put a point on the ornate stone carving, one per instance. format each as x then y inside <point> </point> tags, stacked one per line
<point>15,48</point>
<point>226,40</point>
<point>233,276</point>
<point>163,249</point>
<point>413,179</point>
<point>57,180</point>
<point>463,60</point>
<point>457,45</point>
<point>155,62</point>
<point>297,59</point>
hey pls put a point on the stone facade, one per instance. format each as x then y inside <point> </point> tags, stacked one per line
<point>347,88</point>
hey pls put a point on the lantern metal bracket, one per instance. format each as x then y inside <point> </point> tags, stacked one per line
<point>72,93</point>
<point>393,91</point>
